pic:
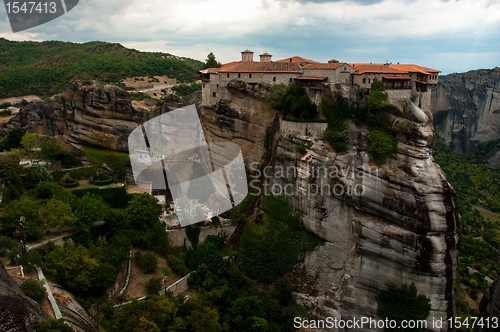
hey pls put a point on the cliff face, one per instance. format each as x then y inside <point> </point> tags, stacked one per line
<point>384,225</point>
<point>95,113</point>
<point>17,311</point>
<point>466,109</point>
<point>490,304</point>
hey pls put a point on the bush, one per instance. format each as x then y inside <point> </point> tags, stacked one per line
<point>154,285</point>
<point>186,89</point>
<point>178,266</point>
<point>117,198</point>
<point>101,180</point>
<point>34,290</point>
<point>147,262</point>
<point>381,144</point>
<point>52,325</point>
<point>69,183</point>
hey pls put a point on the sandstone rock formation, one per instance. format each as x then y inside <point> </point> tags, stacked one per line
<point>384,225</point>
<point>466,109</point>
<point>17,311</point>
<point>490,304</point>
<point>93,113</point>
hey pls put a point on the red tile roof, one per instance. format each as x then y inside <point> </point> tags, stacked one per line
<point>297,59</point>
<point>324,65</point>
<point>261,67</point>
<point>362,68</point>
<point>411,68</point>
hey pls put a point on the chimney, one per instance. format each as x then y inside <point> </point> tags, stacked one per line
<point>265,57</point>
<point>247,55</point>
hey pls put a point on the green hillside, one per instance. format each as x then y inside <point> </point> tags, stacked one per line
<point>45,68</point>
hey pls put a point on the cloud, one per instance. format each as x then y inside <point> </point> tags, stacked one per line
<point>362,29</point>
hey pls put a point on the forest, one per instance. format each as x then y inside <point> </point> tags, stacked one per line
<point>45,68</point>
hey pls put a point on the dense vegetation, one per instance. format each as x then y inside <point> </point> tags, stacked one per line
<point>381,142</point>
<point>401,304</point>
<point>477,188</point>
<point>293,101</point>
<point>186,89</point>
<point>45,68</point>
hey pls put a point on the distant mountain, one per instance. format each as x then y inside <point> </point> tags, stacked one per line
<point>466,109</point>
<point>45,68</point>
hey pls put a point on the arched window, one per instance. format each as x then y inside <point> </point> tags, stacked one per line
<point>274,78</point>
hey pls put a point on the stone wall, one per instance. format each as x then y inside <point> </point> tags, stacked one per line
<point>178,236</point>
<point>305,131</point>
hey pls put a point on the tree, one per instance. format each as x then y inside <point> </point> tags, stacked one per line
<point>34,290</point>
<point>58,214</point>
<point>28,208</point>
<point>211,62</point>
<point>30,142</point>
<point>146,326</point>
<point>148,262</point>
<point>381,144</point>
<point>143,211</point>
<point>377,100</point>
<point>37,174</point>
<point>403,304</point>
<point>10,172</point>
<point>52,325</point>
<point>90,208</point>
<point>154,285</point>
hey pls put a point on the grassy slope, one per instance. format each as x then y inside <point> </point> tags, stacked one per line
<point>45,68</point>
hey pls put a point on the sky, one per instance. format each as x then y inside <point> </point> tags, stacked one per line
<point>451,36</point>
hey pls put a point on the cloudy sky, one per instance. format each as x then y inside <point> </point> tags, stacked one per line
<point>452,35</point>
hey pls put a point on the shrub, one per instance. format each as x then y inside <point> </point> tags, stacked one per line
<point>101,180</point>
<point>34,290</point>
<point>154,285</point>
<point>147,262</point>
<point>186,89</point>
<point>69,183</point>
<point>117,198</point>
<point>381,145</point>
<point>51,325</point>
<point>178,266</point>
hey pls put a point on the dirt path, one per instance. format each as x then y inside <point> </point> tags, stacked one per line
<point>15,100</point>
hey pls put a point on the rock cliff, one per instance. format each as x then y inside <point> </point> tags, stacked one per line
<point>17,311</point>
<point>93,113</point>
<point>490,304</point>
<point>384,225</point>
<point>466,109</point>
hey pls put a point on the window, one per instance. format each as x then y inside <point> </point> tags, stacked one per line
<point>364,80</point>
<point>274,78</point>
<point>291,80</point>
<point>217,85</point>
<point>369,81</point>
<point>250,75</point>
<point>239,75</point>
<point>213,94</point>
<point>227,75</point>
